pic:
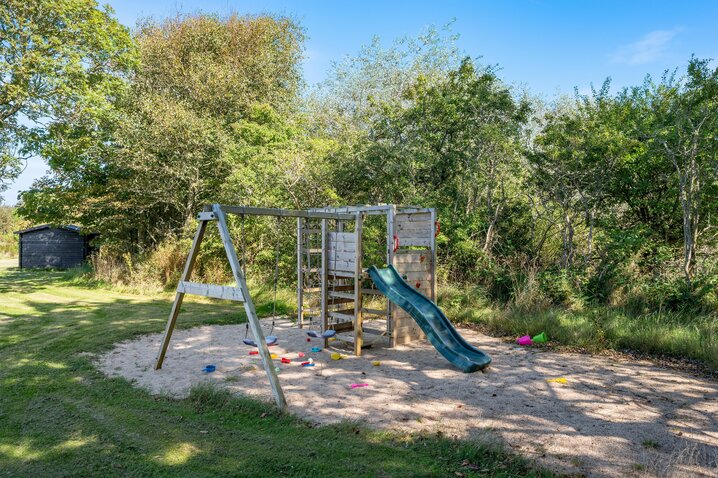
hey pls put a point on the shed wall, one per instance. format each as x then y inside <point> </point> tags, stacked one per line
<point>52,248</point>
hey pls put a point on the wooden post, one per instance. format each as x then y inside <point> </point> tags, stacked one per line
<point>358,319</point>
<point>300,276</point>
<point>254,323</point>
<point>324,314</point>
<point>390,216</point>
<point>179,296</point>
<point>433,256</point>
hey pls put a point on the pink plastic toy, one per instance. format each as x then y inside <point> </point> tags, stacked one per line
<point>357,385</point>
<point>525,340</point>
<point>300,354</point>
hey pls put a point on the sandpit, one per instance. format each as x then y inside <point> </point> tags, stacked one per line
<point>609,418</point>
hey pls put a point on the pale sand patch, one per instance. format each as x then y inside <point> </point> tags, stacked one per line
<point>605,421</point>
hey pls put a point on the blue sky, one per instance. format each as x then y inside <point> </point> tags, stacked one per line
<point>550,47</point>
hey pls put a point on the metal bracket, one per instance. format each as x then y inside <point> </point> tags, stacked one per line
<point>206,216</point>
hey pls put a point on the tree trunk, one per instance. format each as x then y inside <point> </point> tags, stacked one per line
<point>568,232</point>
<point>589,246</point>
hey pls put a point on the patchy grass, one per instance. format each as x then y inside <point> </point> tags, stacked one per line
<point>59,416</point>
<point>681,335</point>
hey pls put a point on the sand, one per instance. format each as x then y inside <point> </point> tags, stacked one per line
<point>609,418</point>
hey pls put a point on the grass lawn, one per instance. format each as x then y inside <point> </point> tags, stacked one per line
<point>61,417</point>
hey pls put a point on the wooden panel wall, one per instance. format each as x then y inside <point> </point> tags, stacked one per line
<point>52,248</point>
<point>342,252</point>
<point>415,229</point>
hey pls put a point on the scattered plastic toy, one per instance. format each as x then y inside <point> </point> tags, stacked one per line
<point>540,338</point>
<point>309,339</point>
<point>358,385</point>
<point>209,368</point>
<point>316,349</point>
<point>525,340</point>
<point>277,369</point>
<point>286,360</point>
<point>376,363</point>
<point>274,356</point>
<point>308,364</point>
<point>300,354</point>
<point>254,352</point>
<point>336,356</point>
<point>557,380</point>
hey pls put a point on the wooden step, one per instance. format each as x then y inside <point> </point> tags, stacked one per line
<point>342,295</point>
<point>343,314</point>
<point>372,291</point>
<point>374,311</point>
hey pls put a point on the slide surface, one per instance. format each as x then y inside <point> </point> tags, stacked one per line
<point>431,319</point>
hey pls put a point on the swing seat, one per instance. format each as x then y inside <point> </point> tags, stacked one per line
<point>324,335</point>
<point>271,340</point>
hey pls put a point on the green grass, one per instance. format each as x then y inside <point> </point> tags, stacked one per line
<point>681,335</point>
<point>60,417</point>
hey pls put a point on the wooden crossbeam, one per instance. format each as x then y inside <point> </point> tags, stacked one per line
<point>265,211</point>
<point>211,290</point>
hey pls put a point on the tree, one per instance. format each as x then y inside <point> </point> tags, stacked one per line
<point>139,174</point>
<point>678,118</point>
<point>55,59</point>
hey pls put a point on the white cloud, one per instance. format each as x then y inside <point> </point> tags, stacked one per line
<point>646,50</point>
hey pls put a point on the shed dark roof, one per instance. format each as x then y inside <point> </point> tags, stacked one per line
<point>69,227</point>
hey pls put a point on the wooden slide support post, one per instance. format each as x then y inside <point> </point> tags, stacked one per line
<point>249,309</point>
<point>390,233</point>
<point>358,272</point>
<point>179,295</point>
<point>324,312</point>
<point>300,274</point>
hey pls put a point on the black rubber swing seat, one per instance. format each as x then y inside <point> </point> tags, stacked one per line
<point>270,339</point>
<point>324,335</point>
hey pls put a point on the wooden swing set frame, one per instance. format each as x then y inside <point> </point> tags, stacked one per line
<point>413,225</point>
<point>240,293</point>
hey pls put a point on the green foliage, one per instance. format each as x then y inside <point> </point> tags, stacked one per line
<point>9,223</point>
<point>57,60</point>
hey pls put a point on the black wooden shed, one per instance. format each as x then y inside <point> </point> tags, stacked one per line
<point>58,247</point>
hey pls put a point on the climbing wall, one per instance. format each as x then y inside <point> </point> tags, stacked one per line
<point>413,260</point>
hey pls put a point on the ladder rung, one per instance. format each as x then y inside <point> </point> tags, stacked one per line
<point>374,311</point>
<point>312,251</point>
<point>311,231</point>
<point>371,331</point>
<point>343,295</point>
<point>371,291</point>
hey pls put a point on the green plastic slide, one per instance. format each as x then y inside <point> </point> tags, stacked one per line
<point>431,319</point>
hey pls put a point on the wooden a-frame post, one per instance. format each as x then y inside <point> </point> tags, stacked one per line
<point>224,292</point>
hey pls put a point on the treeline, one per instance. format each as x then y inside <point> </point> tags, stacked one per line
<point>606,198</point>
